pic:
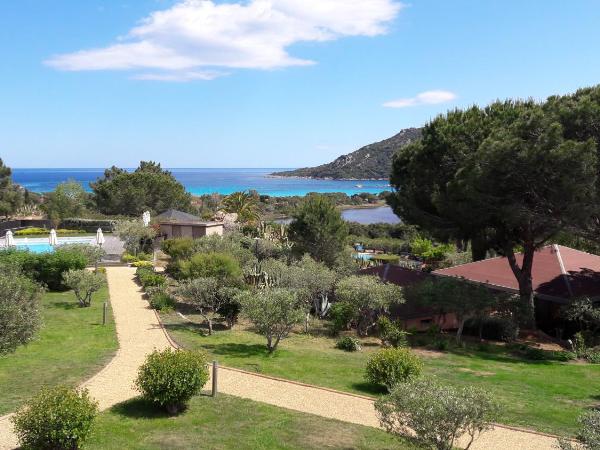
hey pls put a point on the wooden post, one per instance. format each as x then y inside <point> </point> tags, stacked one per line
<point>104,313</point>
<point>215,367</point>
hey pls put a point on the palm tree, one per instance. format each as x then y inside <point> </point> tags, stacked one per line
<point>244,204</point>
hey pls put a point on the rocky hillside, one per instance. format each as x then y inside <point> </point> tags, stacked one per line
<point>373,161</point>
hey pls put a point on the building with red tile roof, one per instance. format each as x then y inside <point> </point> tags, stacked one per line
<point>559,273</point>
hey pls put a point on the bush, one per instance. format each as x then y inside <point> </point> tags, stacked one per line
<point>341,314</point>
<point>138,264</point>
<point>391,366</point>
<point>19,309</point>
<point>170,378</point>
<point>89,225</point>
<point>588,436</point>
<point>129,258</point>
<point>493,328</point>
<point>54,265</point>
<point>56,418</point>
<point>148,278</point>
<point>390,333</point>
<point>440,344</point>
<point>348,344</point>
<point>161,301</point>
<point>180,248</point>
<point>34,231</point>
<point>592,356</point>
<point>221,266</point>
<point>437,414</point>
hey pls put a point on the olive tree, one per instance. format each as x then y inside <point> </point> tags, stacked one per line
<point>449,295</point>
<point>436,413</point>
<point>84,283</point>
<point>134,234</point>
<point>312,281</point>
<point>274,312</point>
<point>369,297</point>
<point>209,296</point>
<point>19,309</point>
<point>588,436</point>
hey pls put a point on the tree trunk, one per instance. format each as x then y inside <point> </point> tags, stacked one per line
<point>269,346</point>
<point>210,329</point>
<point>479,248</point>
<point>524,280</point>
<point>306,322</point>
<point>461,326</point>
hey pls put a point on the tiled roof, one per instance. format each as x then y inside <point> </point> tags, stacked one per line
<point>557,271</point>
<point>173,215</point>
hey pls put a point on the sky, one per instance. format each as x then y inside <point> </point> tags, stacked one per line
<point>267,83</point>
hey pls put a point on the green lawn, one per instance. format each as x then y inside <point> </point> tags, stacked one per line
<point>547,396</point>
<point>71,346</point>
<point>229,422</point>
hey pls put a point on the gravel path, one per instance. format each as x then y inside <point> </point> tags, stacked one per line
<point>139,332</point>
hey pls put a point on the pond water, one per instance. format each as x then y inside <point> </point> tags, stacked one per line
<point>382,214</point>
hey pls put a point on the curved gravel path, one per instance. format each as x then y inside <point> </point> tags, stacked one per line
<point>139,332</point>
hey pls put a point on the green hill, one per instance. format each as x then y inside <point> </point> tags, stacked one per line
<point>373,161</point>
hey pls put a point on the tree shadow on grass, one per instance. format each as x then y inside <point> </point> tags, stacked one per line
<point>369,388</point>
<point>138,408</point>
<point>65,305</point>
<point>238,350</point>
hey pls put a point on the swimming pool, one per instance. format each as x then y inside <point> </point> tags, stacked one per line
<point>41,245</point>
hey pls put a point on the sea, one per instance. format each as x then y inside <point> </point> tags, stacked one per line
<point>208,181</point>
<point>226,181</point>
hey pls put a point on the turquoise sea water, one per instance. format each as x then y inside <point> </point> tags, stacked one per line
<point>207,181</point>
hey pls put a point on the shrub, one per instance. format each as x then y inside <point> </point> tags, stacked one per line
<point>149,278</point>
<point>221,266</point>
<point>440,344</point>
<point>437,414</point>
<point>53,265</point>
<point>56,418</point>
<point>180,248</point>
<point>34,231</point>
<point>341,314</point>
<point>84,283</point>
<point>561,355</point>
<point>129,258</point>
<point>592,356</point>
<point>493,328</point>
<point>588,436</point>
<point>535,354</point>
<point>348,344</point>
<point>19,309</point>
<point>391,366</point>
<point>170,378</point>
<point>390,333</point>
<point>161,301</point>
<point>138,264</point>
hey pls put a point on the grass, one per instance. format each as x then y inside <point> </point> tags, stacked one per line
<point>229,422</point>
<point>543,395</point>
<point>71,346</point>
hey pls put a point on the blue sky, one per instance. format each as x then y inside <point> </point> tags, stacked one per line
<point>267,83</point>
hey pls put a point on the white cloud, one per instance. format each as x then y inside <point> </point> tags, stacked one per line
<point>198,36</point>
<point>424,98</point>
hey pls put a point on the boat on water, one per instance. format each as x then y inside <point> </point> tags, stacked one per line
<point>359,185</point>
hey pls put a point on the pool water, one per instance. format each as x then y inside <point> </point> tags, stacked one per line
<point>36,248</point>
<point>41,245</point>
